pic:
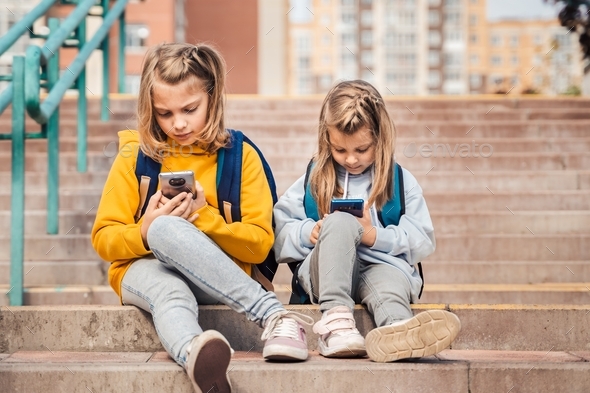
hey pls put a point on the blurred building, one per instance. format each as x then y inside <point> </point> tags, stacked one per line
<point>420,47</point>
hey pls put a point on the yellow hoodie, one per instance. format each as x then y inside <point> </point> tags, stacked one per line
<point>116,236</point>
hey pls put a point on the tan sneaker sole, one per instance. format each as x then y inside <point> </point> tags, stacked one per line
<point>208,362</point>
<point>425,334</point>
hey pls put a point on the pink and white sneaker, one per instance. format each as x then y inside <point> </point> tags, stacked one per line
<point>339,336</point>
<point>285,336</point>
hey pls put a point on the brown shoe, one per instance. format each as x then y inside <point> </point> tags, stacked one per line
<point>209,355</point>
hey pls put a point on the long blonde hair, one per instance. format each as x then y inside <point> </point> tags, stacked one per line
<point>348,107</point>
<point>173,64</point>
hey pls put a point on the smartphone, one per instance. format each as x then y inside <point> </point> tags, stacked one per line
<point>352,206</point>
<point>173,183</point>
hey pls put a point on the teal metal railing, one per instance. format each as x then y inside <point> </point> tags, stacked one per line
<point>38,69</point>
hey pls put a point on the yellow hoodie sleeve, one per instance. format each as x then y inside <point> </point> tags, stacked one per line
<point>115,235</point>
<point>251,239</point>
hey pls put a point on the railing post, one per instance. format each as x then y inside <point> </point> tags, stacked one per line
<point>104,111</point>
<point>17,228</point>
<point>53,144</point>
<point>121,73</point>
<point>82,105</point>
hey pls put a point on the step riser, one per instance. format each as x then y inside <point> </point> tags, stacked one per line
<point>76,222</point>
<point>449,248</point>
<point>407,129</point>
<point>56,273</point>
<point>261,377</point>
<point>503,297</point>
<point>121,329</point>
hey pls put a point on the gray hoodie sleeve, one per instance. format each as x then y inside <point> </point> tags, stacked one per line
<point>292,227</point>
<point>413,239</point>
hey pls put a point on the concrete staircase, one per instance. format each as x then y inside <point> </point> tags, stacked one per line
<point>512,258</point>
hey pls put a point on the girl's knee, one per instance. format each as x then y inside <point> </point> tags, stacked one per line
<point>163,227</point>
<point>341,222</point>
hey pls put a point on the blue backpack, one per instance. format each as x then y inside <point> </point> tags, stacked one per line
<point>229,182</point>
<point>394,209</point>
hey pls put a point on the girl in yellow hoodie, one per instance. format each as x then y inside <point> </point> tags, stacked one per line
<point>181,252</point>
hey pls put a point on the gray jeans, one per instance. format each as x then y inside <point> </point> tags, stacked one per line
<point>333,275</point>
<point>189,269</point>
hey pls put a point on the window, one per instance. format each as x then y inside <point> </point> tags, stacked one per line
<point>326,39</point>
<point>514,41</point>
<point>433,18</point>
<point>514,60</point>
<point>348,39</point>
<point>473,20</point>
<point>347,58</point>
<point>348,18</point>
<point>537,39</point>
<point>434,2</point>
<point>304,63</point>
<point>475,81</point>
<point>348,2</point>
<point>367,58</point>
<point>325,81</point>
<point>368,2</point>
<point>433,58</point>
<point>473,38</point>
<point>452,59</point>
<point>326,60</point>
<point>474,60</point>
<point>136,35</point>
<point>433,78</point>
<point>453,76</point>
<point>367,18</point>
<point>496,61</point>
<point>368,76</point>
<point>433,38</point>
<point>496,40</point>
<point>367,37</point>
<point>452,18</point>
<point>303,43</point>
<point>453,36</point>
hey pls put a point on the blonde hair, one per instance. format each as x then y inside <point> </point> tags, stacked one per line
<point>173,64</point>
<point>348,107</point>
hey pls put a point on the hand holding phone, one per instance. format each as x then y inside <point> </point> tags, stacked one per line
<point>352,206</point>
<point>173,183</point>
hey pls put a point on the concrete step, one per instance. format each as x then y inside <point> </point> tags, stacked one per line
<point>550,200</point>
<point>432,180</point>
<point>307,128</point>
<point>459,247</point>
<point>107,328</point>
<point>485,272</point>
<point>449,158</point>
<point>435,180</point>
<point>64,295</point>
<point>548,293</point>
<point>454,200</point>
<point>518,222</point>
<point>445,222</point>
<point>445,157</point>
<point>70,221</point>
<point>453,371</point>
<point>284,145</point>
<point>59,273</point>
<point>505,272</point>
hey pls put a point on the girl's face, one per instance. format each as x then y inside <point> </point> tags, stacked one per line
<point>180,110</point>
<point>354,152</point>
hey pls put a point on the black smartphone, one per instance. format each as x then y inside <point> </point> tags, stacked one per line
<point>173,183</point>
<point>352,206</point>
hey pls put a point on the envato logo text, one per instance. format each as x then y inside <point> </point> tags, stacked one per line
<point>173,150</point>
<point>436,150</point>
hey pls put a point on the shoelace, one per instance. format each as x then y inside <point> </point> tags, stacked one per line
<point>284,324</point>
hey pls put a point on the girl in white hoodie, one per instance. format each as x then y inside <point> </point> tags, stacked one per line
<point>346,259</point>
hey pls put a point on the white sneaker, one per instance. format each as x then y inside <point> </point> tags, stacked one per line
<point>285,336</point>
<point>339,336</point>
<point>425,334</point>
<point>209,355</point>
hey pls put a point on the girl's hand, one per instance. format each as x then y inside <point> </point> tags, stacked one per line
<point>188,206</point>
<point>155,209</point>
<point>369,234</point>
<point>315,233</point>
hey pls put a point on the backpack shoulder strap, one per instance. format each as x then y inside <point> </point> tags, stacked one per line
<point>309,203</point>
<point>229,169</point>
<point>396,207</point>
<point>146,171</point>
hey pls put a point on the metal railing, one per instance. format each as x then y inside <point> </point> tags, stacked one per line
<point>39,68</point>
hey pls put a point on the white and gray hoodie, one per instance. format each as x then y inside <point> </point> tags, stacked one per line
<point>401,246</point>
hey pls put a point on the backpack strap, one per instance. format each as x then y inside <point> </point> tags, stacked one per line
<point>146,171</point>
<point>396,207</point>
<point>309,203</point>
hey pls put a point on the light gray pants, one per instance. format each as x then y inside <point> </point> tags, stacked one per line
<point>334,275</point>
<point>189,269</point>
